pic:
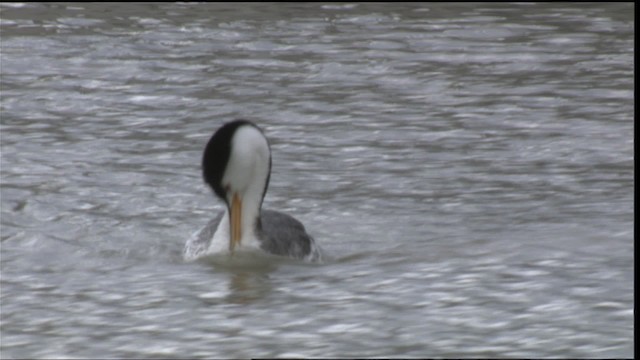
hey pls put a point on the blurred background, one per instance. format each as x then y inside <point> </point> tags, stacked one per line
<point>467,168</point>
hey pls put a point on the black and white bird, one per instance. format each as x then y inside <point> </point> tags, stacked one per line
<point>237,166</point>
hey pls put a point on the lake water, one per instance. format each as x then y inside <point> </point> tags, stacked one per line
<point>467,168</point>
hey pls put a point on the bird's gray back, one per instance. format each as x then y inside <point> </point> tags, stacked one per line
<point>282,234</point>
<point>200,241</point>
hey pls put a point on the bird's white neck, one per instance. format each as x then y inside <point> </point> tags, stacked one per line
<point>246,175</point>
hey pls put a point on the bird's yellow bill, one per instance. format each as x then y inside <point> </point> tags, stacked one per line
<point>236,222</point>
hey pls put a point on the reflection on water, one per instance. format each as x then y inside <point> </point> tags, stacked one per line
<point>248,287</point>
<point>243,287</point>
<point>468,168</point>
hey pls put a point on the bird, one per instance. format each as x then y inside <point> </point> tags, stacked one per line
<point>236,165</point>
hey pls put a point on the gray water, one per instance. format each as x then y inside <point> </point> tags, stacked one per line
<point>467,168</point>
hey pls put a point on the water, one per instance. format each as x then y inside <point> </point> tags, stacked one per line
<point>467,167</point>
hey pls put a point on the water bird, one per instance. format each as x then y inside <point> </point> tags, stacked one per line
<point>236,165</point>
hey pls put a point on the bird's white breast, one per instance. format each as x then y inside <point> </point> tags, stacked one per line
<point>220,241</point>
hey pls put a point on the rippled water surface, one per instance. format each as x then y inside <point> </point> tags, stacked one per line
<point>468,168</point>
